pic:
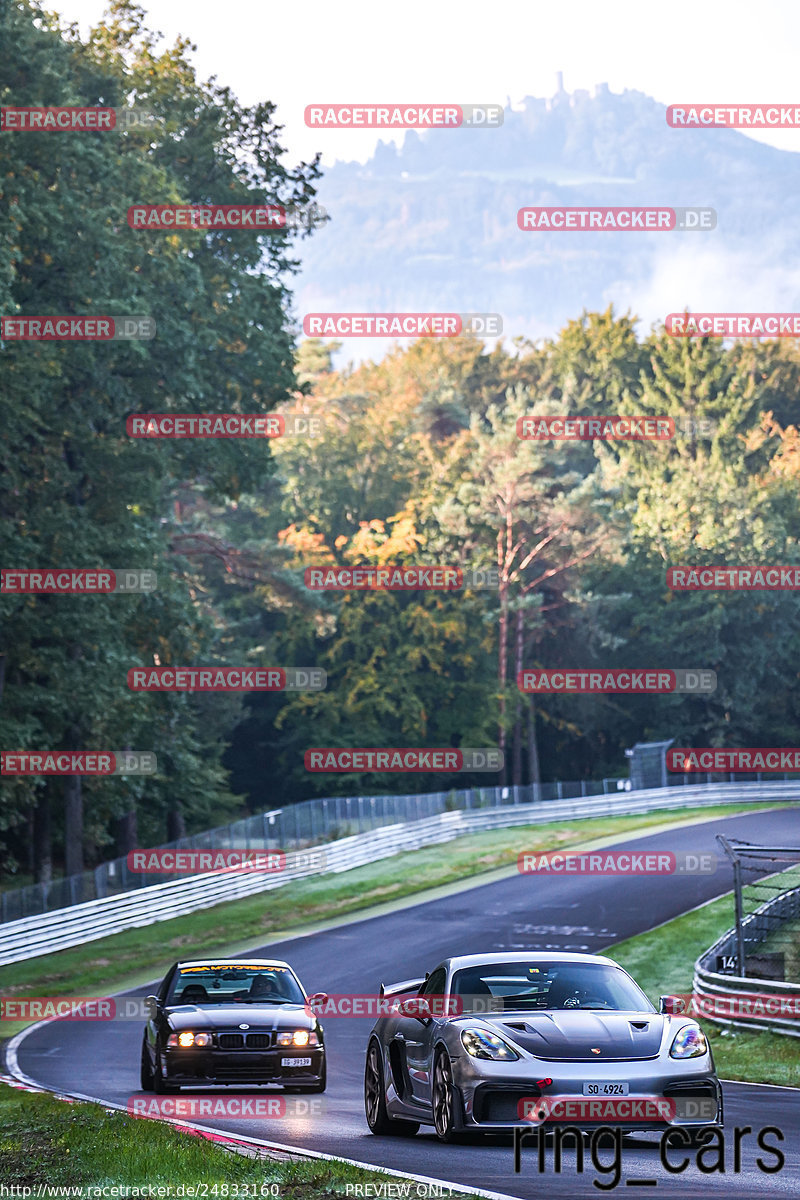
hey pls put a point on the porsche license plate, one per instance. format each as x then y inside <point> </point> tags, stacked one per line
<point>602,1088</point>
<point>295,1062</point>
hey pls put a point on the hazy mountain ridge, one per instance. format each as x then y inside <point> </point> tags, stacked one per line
<point>432,225</point>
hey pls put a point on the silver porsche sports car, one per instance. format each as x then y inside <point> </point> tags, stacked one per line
<point>487,1043</point>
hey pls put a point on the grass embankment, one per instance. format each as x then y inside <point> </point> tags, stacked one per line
<point>45,1141</point>
<point>139,956</point>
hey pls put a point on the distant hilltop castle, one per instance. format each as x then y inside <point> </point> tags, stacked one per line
<point>563,97</point>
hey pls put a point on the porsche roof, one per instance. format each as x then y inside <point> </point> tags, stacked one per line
<point>482,960</point>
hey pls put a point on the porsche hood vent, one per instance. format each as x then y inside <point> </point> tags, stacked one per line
<point>583,1036</point>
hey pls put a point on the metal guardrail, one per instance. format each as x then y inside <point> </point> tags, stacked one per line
<point>709,984</point>
<point>47,933</point>
<point>307,823</point>
<point>314,822</point>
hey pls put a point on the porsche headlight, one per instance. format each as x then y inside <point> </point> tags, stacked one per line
<point>689,1042</point>
<point>187,1039</point>
<point>297,1037</point>
<point>480,1043</point>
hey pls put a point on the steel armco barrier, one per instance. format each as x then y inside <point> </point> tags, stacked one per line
<point>708,984</point>
<point>32,937</point>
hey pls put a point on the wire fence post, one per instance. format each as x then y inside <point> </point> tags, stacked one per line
<point>737,884</point>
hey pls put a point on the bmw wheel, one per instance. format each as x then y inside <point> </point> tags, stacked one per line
<point>160,1085</point>
<point>146,1070</point>
<point>312,1087</point>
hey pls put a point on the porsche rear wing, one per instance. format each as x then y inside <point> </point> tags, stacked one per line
<point>398,989</point>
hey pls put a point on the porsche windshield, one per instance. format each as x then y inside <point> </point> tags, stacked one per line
<point>233,984</point>
<point>505,986</point>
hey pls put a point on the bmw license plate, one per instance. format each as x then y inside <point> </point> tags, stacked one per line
<point>602,1088</point>
<point>295,1062</point>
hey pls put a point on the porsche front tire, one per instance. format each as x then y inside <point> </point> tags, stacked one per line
<point>443,1097</point>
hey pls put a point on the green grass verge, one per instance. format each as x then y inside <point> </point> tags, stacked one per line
<point>662,963</point>
<point>138,956</point>
<point>43,1140</point>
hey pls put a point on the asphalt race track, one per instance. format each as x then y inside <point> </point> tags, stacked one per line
<point>519,913</point>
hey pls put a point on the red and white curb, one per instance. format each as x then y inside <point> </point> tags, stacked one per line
<point>236,1143</point>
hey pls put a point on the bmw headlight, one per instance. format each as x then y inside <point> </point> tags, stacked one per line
<point>480,1043</point>
<point>187,1039</point>
<point>297,1037</point>
<point>689,1042</point>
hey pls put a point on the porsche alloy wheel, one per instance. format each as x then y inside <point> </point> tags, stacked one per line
<point>378,1118</point>
<point>443,1098</point>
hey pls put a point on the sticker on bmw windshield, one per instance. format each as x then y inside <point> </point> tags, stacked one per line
<point>232,967</point>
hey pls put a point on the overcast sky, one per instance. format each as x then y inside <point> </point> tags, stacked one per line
<point>477,51</point>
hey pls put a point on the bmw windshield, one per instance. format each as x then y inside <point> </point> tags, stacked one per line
<point>229,983</point>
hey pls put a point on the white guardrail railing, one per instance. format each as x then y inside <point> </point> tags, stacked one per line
<point>738,990</point>
<point>32,937</point>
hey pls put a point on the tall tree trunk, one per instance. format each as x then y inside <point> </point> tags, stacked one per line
<point>176,826</point>
<point>126,832</point>
<point>534,770</point>
<point>502,652</point>
<point>517,779</point>
<point>73,825</point>
<point>42,838</point>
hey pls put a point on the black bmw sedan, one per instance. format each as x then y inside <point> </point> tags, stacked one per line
<point>217,1021</point>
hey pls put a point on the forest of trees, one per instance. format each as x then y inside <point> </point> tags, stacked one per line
<point>418,461</point>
